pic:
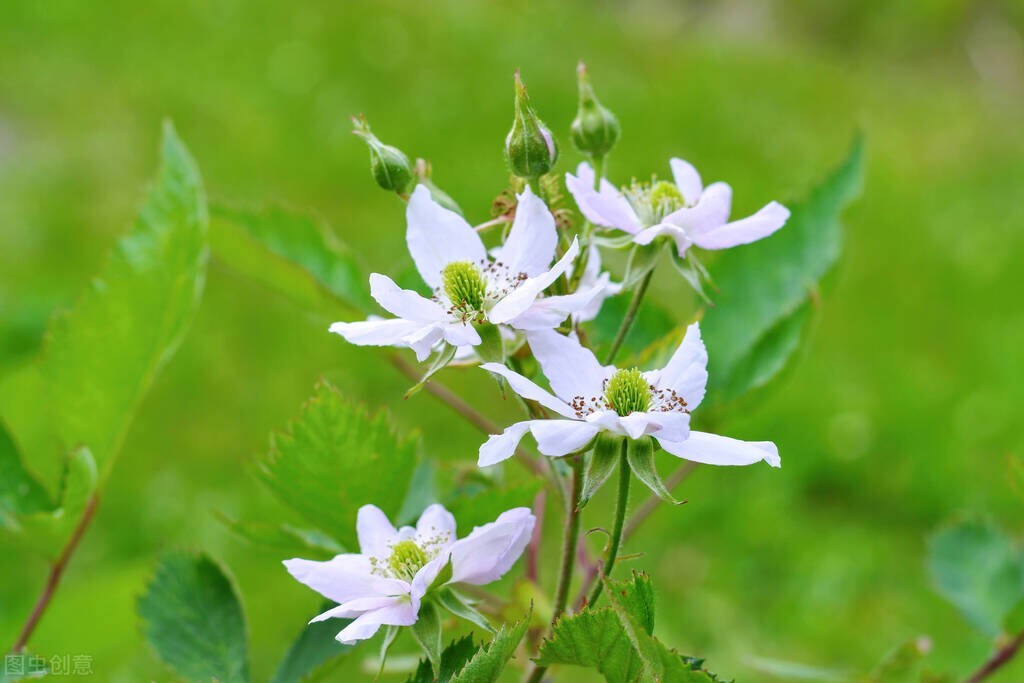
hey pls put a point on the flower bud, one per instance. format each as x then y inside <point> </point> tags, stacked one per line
<point>389,165</point>
<point>529,148</point>
<point>595,130</point>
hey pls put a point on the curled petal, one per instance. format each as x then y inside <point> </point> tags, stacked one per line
<point>491,550</point>
<point>677,234</point>
<point>402,611</point>
<point>606,207</point>
<point>712,449</point>
<point>531,242</point>
<point>520,298</point>
<point>549,311</point>
<point>687,180</point>
<point>437,236</point>
<point>502,446</point>
<point>404,303</point>
<point>763,223</point>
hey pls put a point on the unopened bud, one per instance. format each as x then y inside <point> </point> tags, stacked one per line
<point>530,148</point>
<point>595,130</point>
<point>389,165</point>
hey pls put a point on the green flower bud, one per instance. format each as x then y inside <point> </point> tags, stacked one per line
<point>389,165</point>
<point>530,148</point>
<point>595,130</point>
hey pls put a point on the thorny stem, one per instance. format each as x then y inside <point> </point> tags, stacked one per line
<point>627,321</point>
<point>998,659</point>
<point>615,541</point>
<point>568,561</point>
<point>56,573</point>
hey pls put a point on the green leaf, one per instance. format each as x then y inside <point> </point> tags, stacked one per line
<point>980,570</point>
<point>766,288</point>
<point>314,647</point>
<point>293,254</point>
<point>453,659</point>
<point>427,632</point>
<point>48,530</point>
<point>461,607</point>
<point>640,456</point>
<point>286,537</point>
<point>192,617</point>
<point>335,458</point>
<point>901,664</point>
<point>20,493</point>
<point>599,465</point>
<point>477,502</point>
<point>441,360</point>
<point>489,661</point>
<point>101,357</point>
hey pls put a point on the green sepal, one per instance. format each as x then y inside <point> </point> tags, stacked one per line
<point>616,242</point>
<point>441,361</point>
<point>694,272</point>
<point>599,464</point>
<point>461,607</point>
<point>443,577</point>
<point>642,260</point>
<point>640,455</point>
<point>427,632</point>
<point>389,638</point>
<point>492,347</point>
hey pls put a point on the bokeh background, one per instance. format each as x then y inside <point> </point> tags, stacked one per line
<point>899,414</point>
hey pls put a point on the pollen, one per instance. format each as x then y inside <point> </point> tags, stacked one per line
<point>628,392</point>
<point>464,284</point>
<point>406,559</point>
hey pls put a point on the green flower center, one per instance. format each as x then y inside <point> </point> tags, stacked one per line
<point>655,200</point>
<point>406,559</point>
<point>465,286</point>
<point>628,392</point>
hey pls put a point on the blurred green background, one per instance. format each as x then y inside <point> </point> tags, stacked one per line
<point>900,413</point>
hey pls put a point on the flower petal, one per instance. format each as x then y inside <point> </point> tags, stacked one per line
<point>710,213</point>
<point>529,390</point>
<point>687,371</point>
<point>404,303</point>
<point>571,369</point>
<point>489,551</point>
<point>561,437</point>
<point>677,234</point>
<point>461,334</point>
<point>374,530</point>
<point>401,612</point>
<point>671,426</point>
<point>423,340</point>
<point>502,446</point>
<point>437,236</point>
<point>523,296</point>
<point>549,311</point>
<point>687,180</point>
<point>343,578</point>
<point>638,424</point>
<point>436,522</point>
<point>750,229</point>
<point>712,449</point>
<point>606,207</point>
<point>377,332</point>
<point>531,242</point>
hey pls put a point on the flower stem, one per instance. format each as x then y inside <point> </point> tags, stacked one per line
<point>998,659</point>
<point>627,321</point>
<point>620,518</point>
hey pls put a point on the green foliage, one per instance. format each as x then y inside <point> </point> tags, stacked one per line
<point>47,530</point>
<point>767,289</point>
<point>192,617</point>
<point>901,664</point>
<point>20,493</point>
<point>292,254</point>
<point>427,632</point>
<point>335,458</point>
<point>22,666</point>
<point>489,661</point>
<point>979,569</point>
<point>285,537</point>
<point>314,647</point>
<point>453,659</point>
<point>652,324</point>
<point>599,464</point>
<point>102,356</point>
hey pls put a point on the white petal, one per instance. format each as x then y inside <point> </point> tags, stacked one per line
<point>606,420</point>
<point>502,446</point>
<point>677,234</point>
<point>404,303</point>
<point>437,236</point>
<point>401,612</point>
<point>548,312</point>
<point>520,298</point>
<point>687,180</point>
<point>571,369</point>
<point>528,389</point>
<point>671,426</point>
<point>487,553</point>
<point>687,371</point>
<point>461,334</point>
<point>561,437</point>
<point>423,340</point>
<point>343,578</point>
<point>531,242</point>
<point>607,207</point>
<point>763,223</point>
<point>374,530</point>
<point>712,449</point>
<point>427,573</point>
<point>710,213</point>
<point>436,522</point>
<point>353,608</point>
<point>377,332</point>
<point>637,424</point>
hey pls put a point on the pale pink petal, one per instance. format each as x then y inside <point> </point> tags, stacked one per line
<point>499,447</point>
<point>529,390</point>
<point>687,371</point>
<point>404,303</point>
<point>374,531</point>
<point>677,234</point>
<point>710,213</point>
<point>486,554</point>
<point>607,207</point>
<point>353,608</point>
<point>520,298</point>
<point>343,578</point>
<point>531,242</point>
<point>571,369</point>
<point>435,523</point>
<point>425,576</point>
<point>712,449</point>
<point>401,612</point>
<point>763,223</point>
<point>437,236</point>
<point>687,180</point>
<point>562,437</point>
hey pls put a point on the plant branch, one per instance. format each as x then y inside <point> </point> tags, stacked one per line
<point>998,659</point>
<point>621,501</point>
<point>56,573</point>
<point>627,321</point>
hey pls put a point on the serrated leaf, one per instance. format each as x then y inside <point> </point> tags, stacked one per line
<point>979,569</point>
<point>762,286</point>
<point>101,357</point>
<point>314,647</point>
<point>20,493</point>
<point>192,617</point>
<point>453,659</point>
<point>335,458</point>
<point>489,661</point>
<point>291,253</point>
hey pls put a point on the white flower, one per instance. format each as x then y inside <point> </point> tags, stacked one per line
<point>385,583</point>
<point>685,211</point>
<point>591,398</point>
<point>470,287</point>
<point>593,277</point>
